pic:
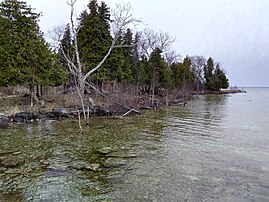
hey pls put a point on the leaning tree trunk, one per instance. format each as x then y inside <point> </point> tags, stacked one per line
<point>81,93</point>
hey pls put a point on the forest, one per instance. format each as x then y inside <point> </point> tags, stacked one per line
<point>99,51</point>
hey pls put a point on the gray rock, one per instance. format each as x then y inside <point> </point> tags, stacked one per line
<point>99,111</point>
<point>93,167</point>
<point>24,117</point>
<point>122,154</point>
<point>78,165</point>
<point>2,114</point>
<point>115,162</point>
<point>2,170</point>
<point>85,166</point>
<point>104,150</point>
<point>61,112</point>
<point>4,120</point>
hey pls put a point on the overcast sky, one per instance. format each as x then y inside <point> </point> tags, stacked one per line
<point>233,32</point>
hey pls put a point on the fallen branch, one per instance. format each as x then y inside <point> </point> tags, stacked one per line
<point>110,99</point>
<point>127,112</point>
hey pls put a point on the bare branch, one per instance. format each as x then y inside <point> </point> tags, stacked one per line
<point>55,35</point>
<point>151,40</point>
<point>100,63</point>
<point>165,41</point>
<point>197,65</point>
<point>122,18</point>
<point>171,57</point>
<point>96,90</point>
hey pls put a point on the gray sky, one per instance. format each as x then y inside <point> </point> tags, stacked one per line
<point>233,32</point>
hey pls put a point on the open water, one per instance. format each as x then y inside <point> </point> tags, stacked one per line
<point>216,148</point>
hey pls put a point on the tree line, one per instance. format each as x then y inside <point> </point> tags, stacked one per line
<point>142,58</point>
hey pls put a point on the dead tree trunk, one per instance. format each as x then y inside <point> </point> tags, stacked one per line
<point>122,18</point>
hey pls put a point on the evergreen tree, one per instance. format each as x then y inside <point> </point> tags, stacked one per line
<point>177,74</point>
<point>5,77</point>
<point>66,42</point>
<point>138,71</point>
<point>18,28</point>
<point>128,53</point>
<point>94,37</point>
<point>66,50</point>
<point>181,73</point>
<point>220,79</point>
<point>104,16</point>
<point>215,77</point>
<point>188,75</point>
<point>208,73</point>
<point>25,56</point>
<point>158,70</point>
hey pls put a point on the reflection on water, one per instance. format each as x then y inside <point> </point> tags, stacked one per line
<point>210,150</point>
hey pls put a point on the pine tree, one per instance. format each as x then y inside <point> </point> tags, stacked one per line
<point>94,36</point>
<point>181,73</point>
<point>128,53</point>
<point>220,79</point>
<point>215,77</point>
<point>138,71</point>
<point>25,56</point>
<point>158,70</point>
<point>208,73</point>
<point>66,50</point>
<point>4,50</point>
<point>66,42</point>
<point>25,50</point>
<point>104,16</point>
<point>19,28</point>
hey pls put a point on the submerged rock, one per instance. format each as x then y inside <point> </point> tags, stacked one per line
<point>93,167</point>
<point>78,165</point>
<point>122,154</point>
<point>85,166</point>
<point>12,161</point>
<point>4,120</point>
<point>15,171</point>
<point>2,170</point>
<point>104,150</point>
<point>115,162</point>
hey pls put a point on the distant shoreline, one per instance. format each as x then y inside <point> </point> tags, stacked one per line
<point>254,87</point>
<point>224,91</point>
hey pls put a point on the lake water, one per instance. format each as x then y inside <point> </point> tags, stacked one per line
<point>216,148</point>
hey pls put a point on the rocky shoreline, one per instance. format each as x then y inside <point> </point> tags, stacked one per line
<point>67,113</point>
<point>55,114</point>
<point>74,113</point>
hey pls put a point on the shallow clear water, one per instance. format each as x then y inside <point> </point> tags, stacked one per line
<point>216,148</point>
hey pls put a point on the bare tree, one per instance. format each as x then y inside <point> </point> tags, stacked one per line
<point>197,68</point>
<point>151,40</point>
<point>122,17</point>
<point>171,57</point>
<point>54,35</point>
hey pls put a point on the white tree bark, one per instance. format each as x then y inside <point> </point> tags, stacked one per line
<point>122,18</point>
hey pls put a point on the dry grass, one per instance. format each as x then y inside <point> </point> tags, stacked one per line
<point>56,97</point>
